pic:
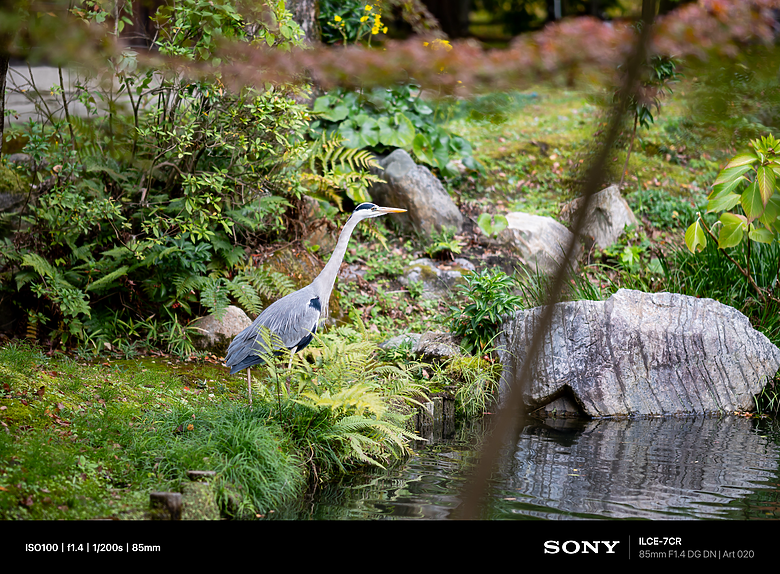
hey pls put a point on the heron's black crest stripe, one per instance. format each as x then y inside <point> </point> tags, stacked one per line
<point>315,304</point>
<point>366,205</point>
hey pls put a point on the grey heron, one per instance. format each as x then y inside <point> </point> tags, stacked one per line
<point>294,317</point>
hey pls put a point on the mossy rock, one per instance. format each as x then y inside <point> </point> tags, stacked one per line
<point>10,181</point>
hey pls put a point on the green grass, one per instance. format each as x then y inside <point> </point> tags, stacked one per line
<point>86,441</point>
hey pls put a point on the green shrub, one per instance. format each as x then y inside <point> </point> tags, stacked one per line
<point>145,214</point>
<point>488,295</point>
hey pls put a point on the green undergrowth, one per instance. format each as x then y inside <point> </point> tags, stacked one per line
<point>90,440</point>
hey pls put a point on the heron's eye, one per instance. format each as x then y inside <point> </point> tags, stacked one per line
<point>373,209</point>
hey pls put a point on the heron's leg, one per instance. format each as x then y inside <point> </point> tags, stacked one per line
<point>249,384</point>
<point>292,354</point>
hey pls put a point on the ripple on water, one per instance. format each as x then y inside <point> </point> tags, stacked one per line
<point>658,468</point>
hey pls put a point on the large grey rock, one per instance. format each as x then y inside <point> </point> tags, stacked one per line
<point>607,216</point>
<point>414,188</point>
<point>641,354</point>
<point>539,241</point>
<point>215,335</point>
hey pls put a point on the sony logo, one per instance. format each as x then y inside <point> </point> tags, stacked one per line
<point>576,547</point>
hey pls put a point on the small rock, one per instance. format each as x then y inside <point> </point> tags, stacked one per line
<point>399,340</point>
<point>434,345</point>
<point>438,278</point>
<point>214,335</point>
<point>540,241</point>
<point>608,215</point>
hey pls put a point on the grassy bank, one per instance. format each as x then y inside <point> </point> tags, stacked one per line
<point>92,440</point>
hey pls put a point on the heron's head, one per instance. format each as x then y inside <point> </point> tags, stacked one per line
<point>368,210</point>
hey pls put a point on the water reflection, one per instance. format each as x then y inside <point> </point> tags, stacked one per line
<point>662,468</point>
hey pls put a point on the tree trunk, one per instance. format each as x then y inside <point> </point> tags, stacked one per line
<point>306,13</point>
<point>453,16</point>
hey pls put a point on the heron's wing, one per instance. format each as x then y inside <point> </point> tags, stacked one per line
<point>293,319</point>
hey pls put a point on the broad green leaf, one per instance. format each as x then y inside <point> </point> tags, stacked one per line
<point>761,234</point>
<point>731,232</point>
<point>740,159</point>
<point>723,202</point>
<point>726,187</point>
<point>330,108</point>
<point>765,180</point>
<point>460,146</point>
<point>751,201</point>
<point>492,224</point>
<point>369,130</point>
<point>422,108</point>
<point>422,148</point>
<point>732,173</point>
<point>695,237</point>
<point>350,135</point>
<point>397,132</point>
<point>771,211</point>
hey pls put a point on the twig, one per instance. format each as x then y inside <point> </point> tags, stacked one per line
<point>65,109</point>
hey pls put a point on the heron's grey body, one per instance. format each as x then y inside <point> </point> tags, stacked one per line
<point>294,318</point>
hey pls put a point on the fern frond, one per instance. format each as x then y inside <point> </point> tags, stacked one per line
<point>333,167</point>
<point>213,296</point>
<point>106,280</point>
<point>356,399</point>
<point>245,294</point>
<point>186,283</point>
<point>39,265</point>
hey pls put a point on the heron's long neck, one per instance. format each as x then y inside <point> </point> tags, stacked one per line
<point>323,284</point>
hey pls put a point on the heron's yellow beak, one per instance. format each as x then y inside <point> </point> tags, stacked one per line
<point>390,209</point>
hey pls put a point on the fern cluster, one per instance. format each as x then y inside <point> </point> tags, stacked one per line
<point>342,404</point>
<point>335,171</point>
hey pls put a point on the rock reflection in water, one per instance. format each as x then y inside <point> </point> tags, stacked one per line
<point>637,468</point>
<point>660,468</point>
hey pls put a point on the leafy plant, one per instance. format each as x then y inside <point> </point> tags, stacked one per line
<point>477,383</point>
<point>335,170</point>
<point>661,72</point>
<point>746,192</point>
<point>492,225</point>
<point>443,244</point>
<point>350,21</point>
<point>343,405</point>
<point>489,296</point>
<point>388,118</point>
<point>142,212</point>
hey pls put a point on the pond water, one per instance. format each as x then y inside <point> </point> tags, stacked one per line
<point>655,468</point>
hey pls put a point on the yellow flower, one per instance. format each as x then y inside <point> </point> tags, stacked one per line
<point>375,30</point>
<point>337,18</point>
<point>436,44</point>
<point>368,8</point>
<point>364,18</point>
<point>384,30</point>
